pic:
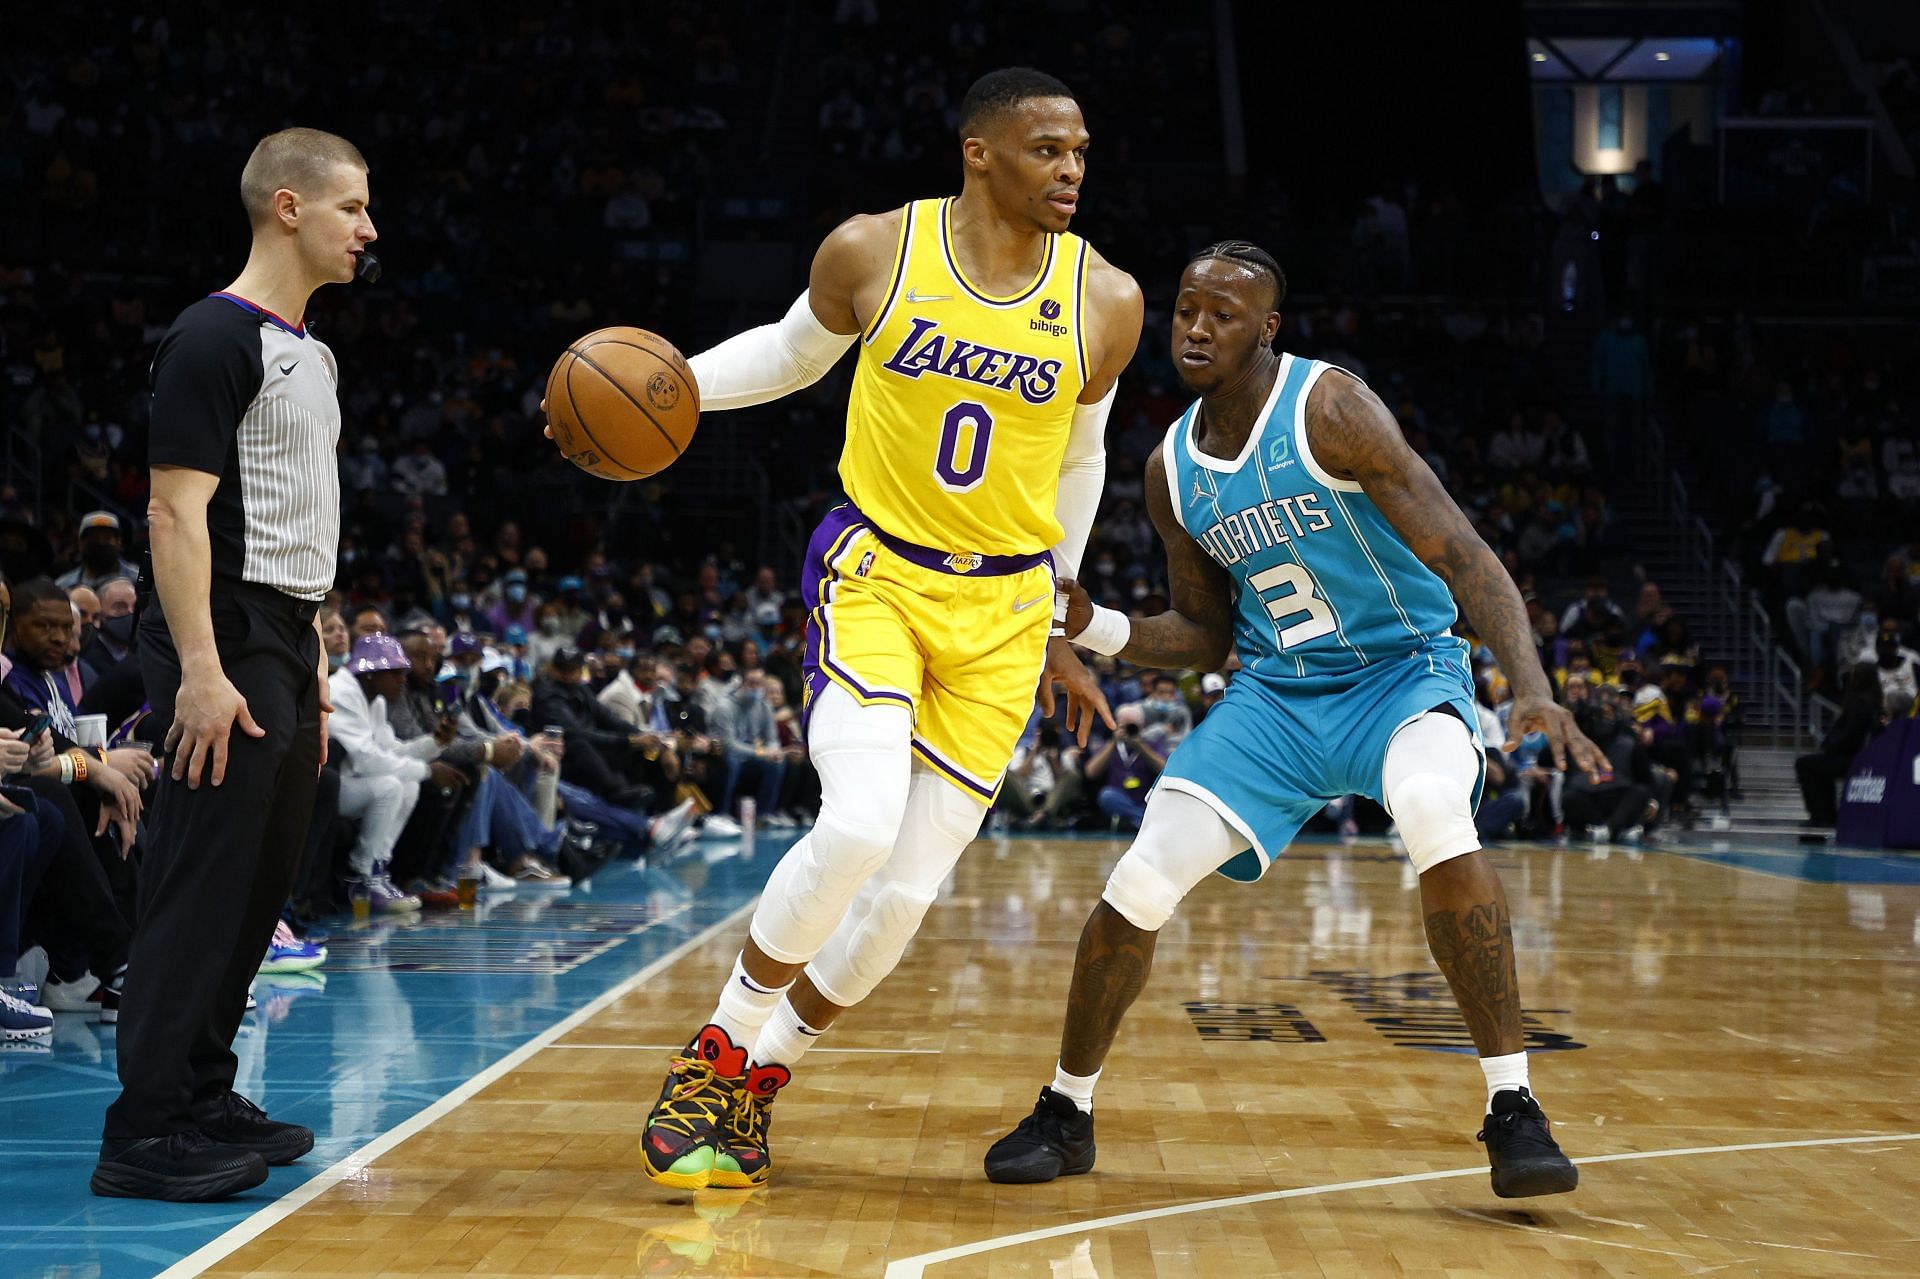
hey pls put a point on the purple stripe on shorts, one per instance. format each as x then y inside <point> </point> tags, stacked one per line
<point>933,757</point>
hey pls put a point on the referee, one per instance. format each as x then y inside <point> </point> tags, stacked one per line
<point>245,529</point>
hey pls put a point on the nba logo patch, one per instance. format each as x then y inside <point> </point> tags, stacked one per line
<point>866,562</point>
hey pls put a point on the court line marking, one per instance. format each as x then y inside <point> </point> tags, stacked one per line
<point>352,1165</point>
<point>915,1267</point>
<point>674,1048</point>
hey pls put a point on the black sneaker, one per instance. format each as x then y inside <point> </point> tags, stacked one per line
<point>1526,1159</point>
<point>1056,1140</point>
<point>235,1121</point>
<point>186,1167</point>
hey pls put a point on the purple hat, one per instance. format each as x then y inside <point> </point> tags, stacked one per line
<point>377,652</point>
<point>463,643</point>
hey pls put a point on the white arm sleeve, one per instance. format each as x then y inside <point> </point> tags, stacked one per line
<point>768,362</point>
<point>1083,474</point>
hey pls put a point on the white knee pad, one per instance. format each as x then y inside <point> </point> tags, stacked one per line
<point>1181,841</point>
<point>940,822</point>
<point>847,973</point>
<point>863,754</point>
<point>1431,769</point>
<point>1140,892</point>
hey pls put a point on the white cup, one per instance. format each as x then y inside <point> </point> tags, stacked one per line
<point>90,731</point>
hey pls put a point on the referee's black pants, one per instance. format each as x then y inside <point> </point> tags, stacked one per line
<point>218,860</point>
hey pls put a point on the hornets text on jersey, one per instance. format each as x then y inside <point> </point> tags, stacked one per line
<point>1323,583</point>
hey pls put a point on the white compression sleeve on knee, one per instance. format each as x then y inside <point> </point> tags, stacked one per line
<point>941,821</point>
<point>768,362</point>
<point>864,757</point>
<point>1083,475</point>
<point>1428,781</point>
<point>1182,840</point>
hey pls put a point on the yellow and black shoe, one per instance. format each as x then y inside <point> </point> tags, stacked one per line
<point>685,1130</point>
<point>744,1159</point>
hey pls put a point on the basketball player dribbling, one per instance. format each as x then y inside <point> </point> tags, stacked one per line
<point>1303,532</point>
<point>990,339</point>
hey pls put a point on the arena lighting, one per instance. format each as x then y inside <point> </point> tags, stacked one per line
<point>1663,57</point>
<point>1539,57</point>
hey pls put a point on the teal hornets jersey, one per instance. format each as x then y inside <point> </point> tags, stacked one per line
<point>1323,584</point>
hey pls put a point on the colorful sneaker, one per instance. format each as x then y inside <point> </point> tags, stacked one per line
<point>288,954</point>
<point>1526,1159</point>
<point>436,896</point>
<point>20,1019</point>
<point>744,1159</point>
<point>1056,1140</point>
<point>683,1134</point>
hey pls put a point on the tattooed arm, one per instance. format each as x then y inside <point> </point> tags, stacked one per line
<point>1354,437</point>
<point>1196,634</point>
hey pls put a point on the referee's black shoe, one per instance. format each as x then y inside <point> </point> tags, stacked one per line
<point>186,1167</point>
<point>1056,1140</point>
<point>235,1121</point>
<point>1526,1159</point>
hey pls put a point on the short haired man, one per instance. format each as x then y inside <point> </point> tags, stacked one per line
<point>244,526</point>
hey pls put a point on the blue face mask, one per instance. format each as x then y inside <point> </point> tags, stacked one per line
<point>461,603</point>
<point>516,593</point>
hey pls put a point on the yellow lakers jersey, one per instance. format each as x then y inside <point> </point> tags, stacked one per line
<point>962,401</point>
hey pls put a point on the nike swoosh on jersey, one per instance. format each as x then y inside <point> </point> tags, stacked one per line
<point>1021,606</point>
<point>288,368</point>
<point>912,296</point>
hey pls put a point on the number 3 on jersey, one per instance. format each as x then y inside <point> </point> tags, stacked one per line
<point>966,431</point>
<point>1287,589</point>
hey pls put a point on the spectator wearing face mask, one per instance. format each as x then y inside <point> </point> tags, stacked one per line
<point>100,554</point>
<point>515,607</point>
<point>1165,718</point>
<point>549,635</point>
<point>112,639</point>
<point>744,721</point>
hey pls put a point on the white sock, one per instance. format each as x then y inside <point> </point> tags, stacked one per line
<point>785,1039</point>
<point>1076,1088</point>
<point>1504,1073</point>
<point>745,1006</point>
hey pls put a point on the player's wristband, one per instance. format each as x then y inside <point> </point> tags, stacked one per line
<point>1107,633</point>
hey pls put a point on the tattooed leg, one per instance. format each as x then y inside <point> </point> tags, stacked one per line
<point>1109,972</point>
<point>1471,936</point>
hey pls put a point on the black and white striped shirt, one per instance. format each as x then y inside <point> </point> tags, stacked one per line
<point>241,394</point>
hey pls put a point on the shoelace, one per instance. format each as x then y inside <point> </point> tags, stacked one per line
<point>748,1122</point>
<point>697,1092</point>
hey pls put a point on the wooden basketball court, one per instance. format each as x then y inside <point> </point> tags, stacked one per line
<point>1730,1048</point>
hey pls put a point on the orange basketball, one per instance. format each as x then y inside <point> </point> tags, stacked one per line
<point>622,403</point>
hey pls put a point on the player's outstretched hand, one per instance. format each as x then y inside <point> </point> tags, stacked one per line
<point>1084,698</point>
<point>543,417</point>
<point>1544,715</point>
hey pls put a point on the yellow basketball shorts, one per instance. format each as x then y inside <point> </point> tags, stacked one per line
<point>959,639</point>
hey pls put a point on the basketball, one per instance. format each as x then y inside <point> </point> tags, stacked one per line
<point>622,403</point>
